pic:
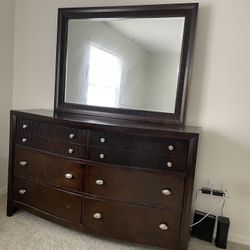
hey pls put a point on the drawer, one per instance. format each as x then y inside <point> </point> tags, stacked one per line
<point>61,204</point>
<point>141,160</point>
<point>145,225</point>
<point>50,169</point>
<point>139,143</point>
<point>62,148</point>
<point>129,185</point>
<point>42,129</point>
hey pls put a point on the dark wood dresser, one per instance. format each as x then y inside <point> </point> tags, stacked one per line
<point>126,180</point>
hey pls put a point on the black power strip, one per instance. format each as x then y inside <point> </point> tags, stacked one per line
<point>215,192</point>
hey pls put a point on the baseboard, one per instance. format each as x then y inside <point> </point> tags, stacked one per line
<point>245,240</point>
<point>3,190</point>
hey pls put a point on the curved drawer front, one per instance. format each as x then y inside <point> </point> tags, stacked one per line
<point>134,186</point>
<point>55,202</point>
<point>146,225</point>
<point>42,129</point>
<point>141,160</point>
<point>139,143</point>
<point>50,169</point>
<point>62,148</point>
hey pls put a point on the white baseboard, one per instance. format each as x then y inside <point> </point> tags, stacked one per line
<point>3,190</point>
<point>245,240</point>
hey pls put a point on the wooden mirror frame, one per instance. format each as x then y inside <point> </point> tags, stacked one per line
<point>189,11</point>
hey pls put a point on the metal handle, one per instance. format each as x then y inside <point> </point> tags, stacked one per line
<point>171,147</point>
<point>68,176</point>
<point>166,192</point>
<point>24,140</point>
<point>163,226</point>
<point>25,126</point>
<point>23,163</point>
<point>101,156</point>
<point>22,191</point>
<point>169,164</point>
<point>71,136</point>
<point>102,140</point>
<point>97,216</point>
<point>99,182</point>
<point>71,150</point>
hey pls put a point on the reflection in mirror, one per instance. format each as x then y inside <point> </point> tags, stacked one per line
<point>124,63</point>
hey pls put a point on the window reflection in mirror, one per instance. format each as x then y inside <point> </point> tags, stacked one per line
<point>124,63</point>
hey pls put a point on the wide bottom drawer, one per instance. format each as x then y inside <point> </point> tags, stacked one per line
<point>58,203</point>
<point>134,223</point>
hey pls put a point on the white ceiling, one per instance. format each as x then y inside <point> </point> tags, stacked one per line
<point>154,34</point>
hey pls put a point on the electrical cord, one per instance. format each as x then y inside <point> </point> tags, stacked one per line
<point>196,195</point>
<point>218,204</point>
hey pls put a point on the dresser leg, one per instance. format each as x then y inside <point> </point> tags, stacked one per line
<point>10,209</point>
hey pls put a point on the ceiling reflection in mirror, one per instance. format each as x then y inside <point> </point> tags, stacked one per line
<point>124,63</point>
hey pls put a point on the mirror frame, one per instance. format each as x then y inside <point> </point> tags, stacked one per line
<point>189,11</point>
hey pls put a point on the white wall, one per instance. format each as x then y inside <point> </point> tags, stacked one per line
<point>218,97</point>
<point>6,82</point>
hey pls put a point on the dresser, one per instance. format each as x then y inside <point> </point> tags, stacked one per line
<point>125,180</point>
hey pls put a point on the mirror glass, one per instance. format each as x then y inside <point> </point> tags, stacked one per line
<point>130,63</point>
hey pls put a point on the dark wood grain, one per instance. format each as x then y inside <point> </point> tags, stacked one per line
<point>48,169</point>
<point>132,186</point>
<point>138,224</point>
<point>137,159</point>
<point>134,172</point>
<point>189,11</point>
<point>50,200</point>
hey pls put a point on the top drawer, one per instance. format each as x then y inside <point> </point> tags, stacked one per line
<point>139,143</point>
<point>29,127</point>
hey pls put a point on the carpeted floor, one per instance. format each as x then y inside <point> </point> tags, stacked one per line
<point>24,231</point>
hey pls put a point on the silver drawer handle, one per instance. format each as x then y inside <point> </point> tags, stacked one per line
<point>68,176</point>
<point>22,191</point>
<point>99,182</point>
<point>23,163</point>
<point>25,126</point>
<point>163,226</point>
<point>166,192</point>
<point>97,216</point>
<point>24,140</point>
<point>101,156</point>
<point>170,147</point>
<point>71,136</point>
<point>102,140</point>
<point>169,164</point>
<point>71,150</point>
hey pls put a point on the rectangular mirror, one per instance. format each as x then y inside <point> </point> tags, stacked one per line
<point>130,62</point>
<point>124,63</point>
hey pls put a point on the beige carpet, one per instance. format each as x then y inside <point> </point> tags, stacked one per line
<point>24,231</point>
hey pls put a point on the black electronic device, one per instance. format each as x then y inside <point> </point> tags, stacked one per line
<point>222,232</point>
<point>205,229</point>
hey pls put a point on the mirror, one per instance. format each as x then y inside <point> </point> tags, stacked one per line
<point>124,63</point>
<point>129,62</point>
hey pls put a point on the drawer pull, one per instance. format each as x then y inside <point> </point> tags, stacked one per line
<point>170,147</point>
<point>101,156</point>
<point>166,192</point>
<point>22,191</point>
<point>71,136</point>
<point>25,126</point>
<point>24,140</point>
<point>99,182</point>
<point>68,176</point>
<point>97,216</point>
<point>71,150</point>
<point>102,140</point>
<point>23,163</point>
<point>163,226</point>
<point>169,164</point>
